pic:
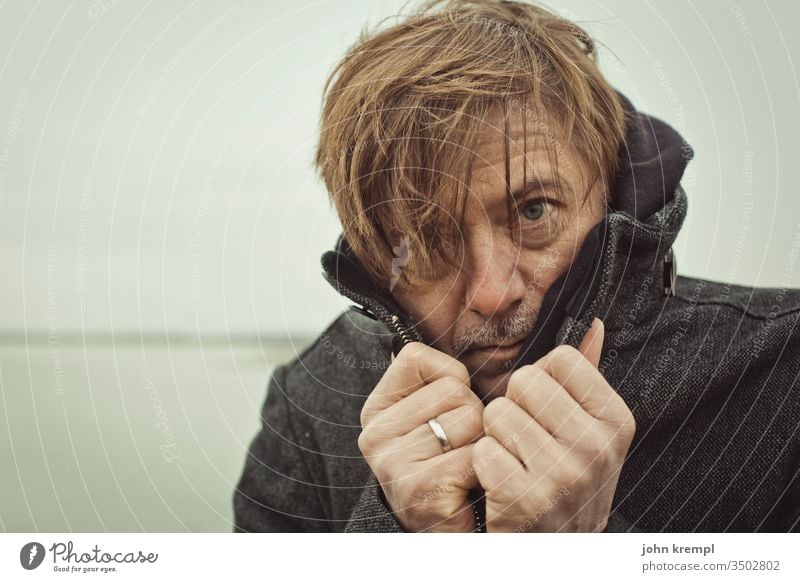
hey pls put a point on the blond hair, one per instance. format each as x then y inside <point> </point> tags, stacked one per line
<point>402,110</point>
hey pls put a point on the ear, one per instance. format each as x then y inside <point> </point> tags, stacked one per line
<point>592,343</point>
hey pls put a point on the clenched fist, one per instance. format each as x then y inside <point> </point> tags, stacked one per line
<point>426,487</point>
<point>555,444</point>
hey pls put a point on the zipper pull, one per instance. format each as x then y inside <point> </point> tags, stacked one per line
<point>670,273</point>
<point>363,311</point>
<point>400,336</point>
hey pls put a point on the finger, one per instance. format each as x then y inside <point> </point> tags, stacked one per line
<point>494,464</point>
<point>517,431</point>
<point>543,398</point>
<point>456,464</point>
<point>452,470</point>
<point>462,425</point>
<point>581,379</point>
<point>430,401</point>
<point>415,366</point>
<point>592,344</point>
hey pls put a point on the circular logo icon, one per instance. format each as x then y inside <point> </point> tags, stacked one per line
<point>31,555</point>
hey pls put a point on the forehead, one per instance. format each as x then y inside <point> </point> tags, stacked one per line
<point>535,149</point>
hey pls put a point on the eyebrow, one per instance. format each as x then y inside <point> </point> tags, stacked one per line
<point>537,184</point>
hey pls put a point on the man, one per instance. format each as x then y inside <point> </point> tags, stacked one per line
<point>522,355</point>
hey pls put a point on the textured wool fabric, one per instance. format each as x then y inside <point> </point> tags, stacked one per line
<point>710,374</point>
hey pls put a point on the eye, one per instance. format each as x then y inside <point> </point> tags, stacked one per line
<point>539,221</point>
<point>534,209</point>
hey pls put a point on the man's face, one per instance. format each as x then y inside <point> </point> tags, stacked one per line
<point>481,313</point>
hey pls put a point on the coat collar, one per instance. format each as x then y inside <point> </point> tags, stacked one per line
<point>625,266</point>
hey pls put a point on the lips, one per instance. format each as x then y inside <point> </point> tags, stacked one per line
<point>505,350</point>
<point>505,344</point>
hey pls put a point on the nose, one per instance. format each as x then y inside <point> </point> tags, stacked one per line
<point>493,281</point>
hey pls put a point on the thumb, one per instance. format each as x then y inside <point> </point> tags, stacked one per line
<point>592,342</point>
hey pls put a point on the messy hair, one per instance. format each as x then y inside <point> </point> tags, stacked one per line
<point>401,115</point>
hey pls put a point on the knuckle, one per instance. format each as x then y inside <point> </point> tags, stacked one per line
<point>453,384</point>
<point>410,354</point>
<point>518,380</point>
<point>457,391</point>
<point>473,419</point>
<point>521,373</point>
<point>621,417</point>
<point>594,440</point>
<point>366,412</point>
<point>566,351</point>
<point>627,426</point>
<point>365,441</point>
<point>576,475</point>
<point>524,377</point>
<point>627,416</point>
<point>461,371</point>
<point>565,354</point>
<point>483,446</point>
<point>513,381</point>
<point>371,438</point>
<point>495,410</point>
<point>449,385</point>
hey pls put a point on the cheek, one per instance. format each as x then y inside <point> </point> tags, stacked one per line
<point>435,308</point>
<point>547,265</point>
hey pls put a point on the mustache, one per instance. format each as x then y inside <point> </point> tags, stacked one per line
<point>490,332</point>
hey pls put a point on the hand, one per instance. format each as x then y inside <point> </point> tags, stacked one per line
<point>425,487</point>
<point>564,433</point>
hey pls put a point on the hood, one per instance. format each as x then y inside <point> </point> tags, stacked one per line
<point>625,258</point>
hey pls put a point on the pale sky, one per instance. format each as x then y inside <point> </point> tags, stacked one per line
<point>155,158</point>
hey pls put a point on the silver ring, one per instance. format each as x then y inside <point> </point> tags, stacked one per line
<point>440,435</point>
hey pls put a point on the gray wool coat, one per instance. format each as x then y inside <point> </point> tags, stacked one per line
<point>709,370</point>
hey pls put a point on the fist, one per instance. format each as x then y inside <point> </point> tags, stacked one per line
<point>425,487</point>
<point>554,444</point>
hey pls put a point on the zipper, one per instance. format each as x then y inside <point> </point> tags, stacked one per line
<point>478,500</point>
<point>374,309</point>
<point>402,335</point>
